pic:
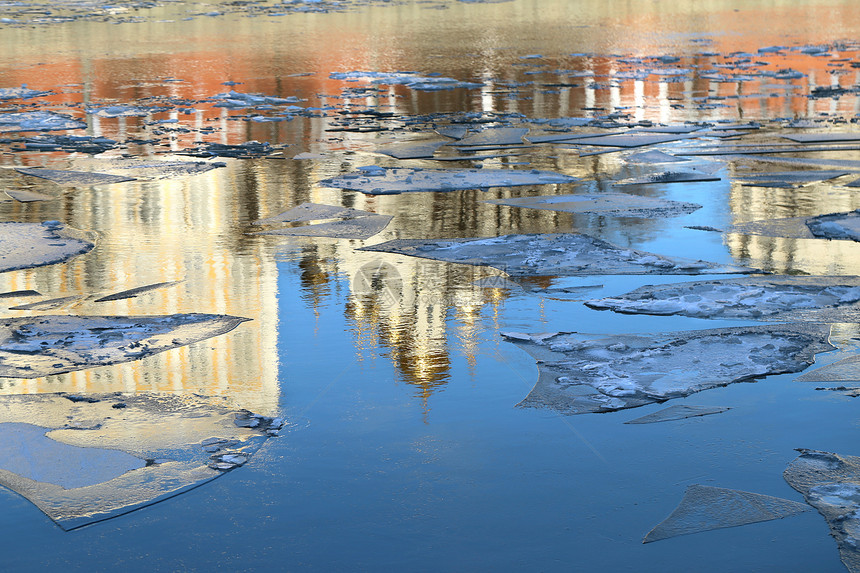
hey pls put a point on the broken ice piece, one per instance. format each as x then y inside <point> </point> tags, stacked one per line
<point>131,293</point>
<point>845,370</point>
<point>412,149</point>
<point>844,226</point>
<point>79,472</point>
<point>654,156</point>
<point>49,304</point>
<point>400,180</point>
<point>786,179</point>
<point>38,121</point>
<point>812,298</point>
<point>611,204</point>
<point>313,212</point>
<point>19,293</point>
<point>634,140</point>
<point>31,347</point>
<point>831,484</point>
<point>495,136</point>
<point>565,254</point>
<point>668,177</point>
<point>582,373</point>
<point>25,245</point>
<point>409,79</point>
<point>678,412</point>
<point>27,196</point>
<point>827,137</point>
<point>359,228</point>
<point>705,508</point>
<point>75,178</point>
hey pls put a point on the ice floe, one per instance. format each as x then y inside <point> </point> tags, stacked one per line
<point>611,204</point>
<point>75,178</point>
<point>21,93</point>
<point>566,254</point>
<point>411,80</point>
<point>813,298</point>
<point>705,508</point>
<point>581,373</point>
<point>678,412</point>
<point>84,459</point>
<point>786,179</point>
<point>845,370</point>
<point>668,177</point>
<point>37,121</point>
<point>137,291</point>
<point>25,245</point>
<point>349,224</point>
<point>836,226</point>
<point>831,484</point>
<point>381,181</point>
<point>32,347</point>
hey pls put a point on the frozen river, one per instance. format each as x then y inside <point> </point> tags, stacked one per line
<point>410,200</point>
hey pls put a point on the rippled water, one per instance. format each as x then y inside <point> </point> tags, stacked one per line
<point>408,450</point>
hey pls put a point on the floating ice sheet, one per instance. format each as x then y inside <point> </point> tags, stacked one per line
<point>412,149</point>
<point>831,484</point>
<point>495,136</point>
<point>844,226</point>
<point>25,245</point>
<point>668,177</point>
<point>786,179</point>
<point>75,178</point>
<point>409,79</point>
<point>381,181</point>
<point>826,137</point>
<point>27,196</point>
<point>678,412</point>
<point>84,459</point>
<point>357,228</point>
<point>634,140</point>
<point>154,169</point>
<point>21,93</point>
<point>705,508</point>
<point>581,373</point>
<point>32,347</point>
<point>137,291</point>
<point>612,204</point>
<point>845,370</point>
<point>37,121</point>
<point>811,298</point>
<point>314,212</point>
<point>566,254</point>
<point>654,156</point>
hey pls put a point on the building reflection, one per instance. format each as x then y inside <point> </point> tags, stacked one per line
<point>195,228</point>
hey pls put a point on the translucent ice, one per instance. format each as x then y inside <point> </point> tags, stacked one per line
<point>580,373</point>
<point>611,204</point>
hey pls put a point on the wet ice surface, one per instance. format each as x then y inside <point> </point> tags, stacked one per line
<point>582,373</point>
<point>24,245</point>
<point>612,204</point>
<point>381,181</point>
<point>348,224</point>
<point>831,484</point>
<point>705,508</point>
<point>834,299</point>
<point>85,459</point>
<point>678,412</point>
<point>75,178</point>
<point>835,226</point>
<point>43,345</point>
<point>551,254</point>
<point>845,370</point>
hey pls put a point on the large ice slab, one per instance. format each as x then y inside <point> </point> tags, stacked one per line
<point>844,226</point>
<point>705,508</point>
<point>32,347</point>
<point>821,298</point>
<point>86,458</point>
<point>787,179</point>
<point>611,204</point>
<point>678,412</point>
<point>381,181</point>
<point>25,245</point>
<point>831,484</point>
<point>348,224</point>
<point>581,373</point>
<point>563,254</point>
<point>845,370</point>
